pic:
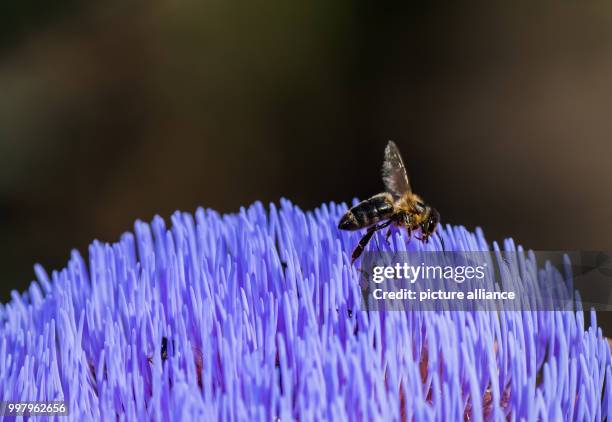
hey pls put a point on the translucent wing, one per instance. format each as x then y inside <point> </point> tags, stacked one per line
<point>394,173</point>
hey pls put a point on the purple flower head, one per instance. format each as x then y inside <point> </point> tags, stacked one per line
<point>259,316</point>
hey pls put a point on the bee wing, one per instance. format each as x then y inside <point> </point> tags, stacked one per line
<point>394,172</point>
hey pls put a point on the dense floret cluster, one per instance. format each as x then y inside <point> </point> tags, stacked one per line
<point>258,316</point>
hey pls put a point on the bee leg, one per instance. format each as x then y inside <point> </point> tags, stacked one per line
<point>365,239</point>
<point>441,241</point>
<point>388,235</point>
<point>362,244</point>
<point>424,238</point>
<point>377,245</point>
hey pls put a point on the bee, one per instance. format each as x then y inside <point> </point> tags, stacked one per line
<point>398,206</point>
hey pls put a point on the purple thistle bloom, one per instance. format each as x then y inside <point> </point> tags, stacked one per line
<point>260,318</point>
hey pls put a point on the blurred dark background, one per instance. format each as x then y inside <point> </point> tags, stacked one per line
<point>112,111</point>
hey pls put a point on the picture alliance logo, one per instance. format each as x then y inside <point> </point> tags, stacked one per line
<point>412,273</point>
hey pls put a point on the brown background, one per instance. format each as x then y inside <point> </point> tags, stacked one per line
<point>114,111</point>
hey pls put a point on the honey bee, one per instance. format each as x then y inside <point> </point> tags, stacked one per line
<point>398,206</point>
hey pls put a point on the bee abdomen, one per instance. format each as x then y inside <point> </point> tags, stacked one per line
<point>368,212</point>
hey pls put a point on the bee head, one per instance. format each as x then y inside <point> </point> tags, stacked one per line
<point>431,222</point>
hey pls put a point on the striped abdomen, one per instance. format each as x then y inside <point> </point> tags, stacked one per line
<point>368,212</point>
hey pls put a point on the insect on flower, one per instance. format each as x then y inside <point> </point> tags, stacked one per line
<point>164,350</point>
<point>398,206</point>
